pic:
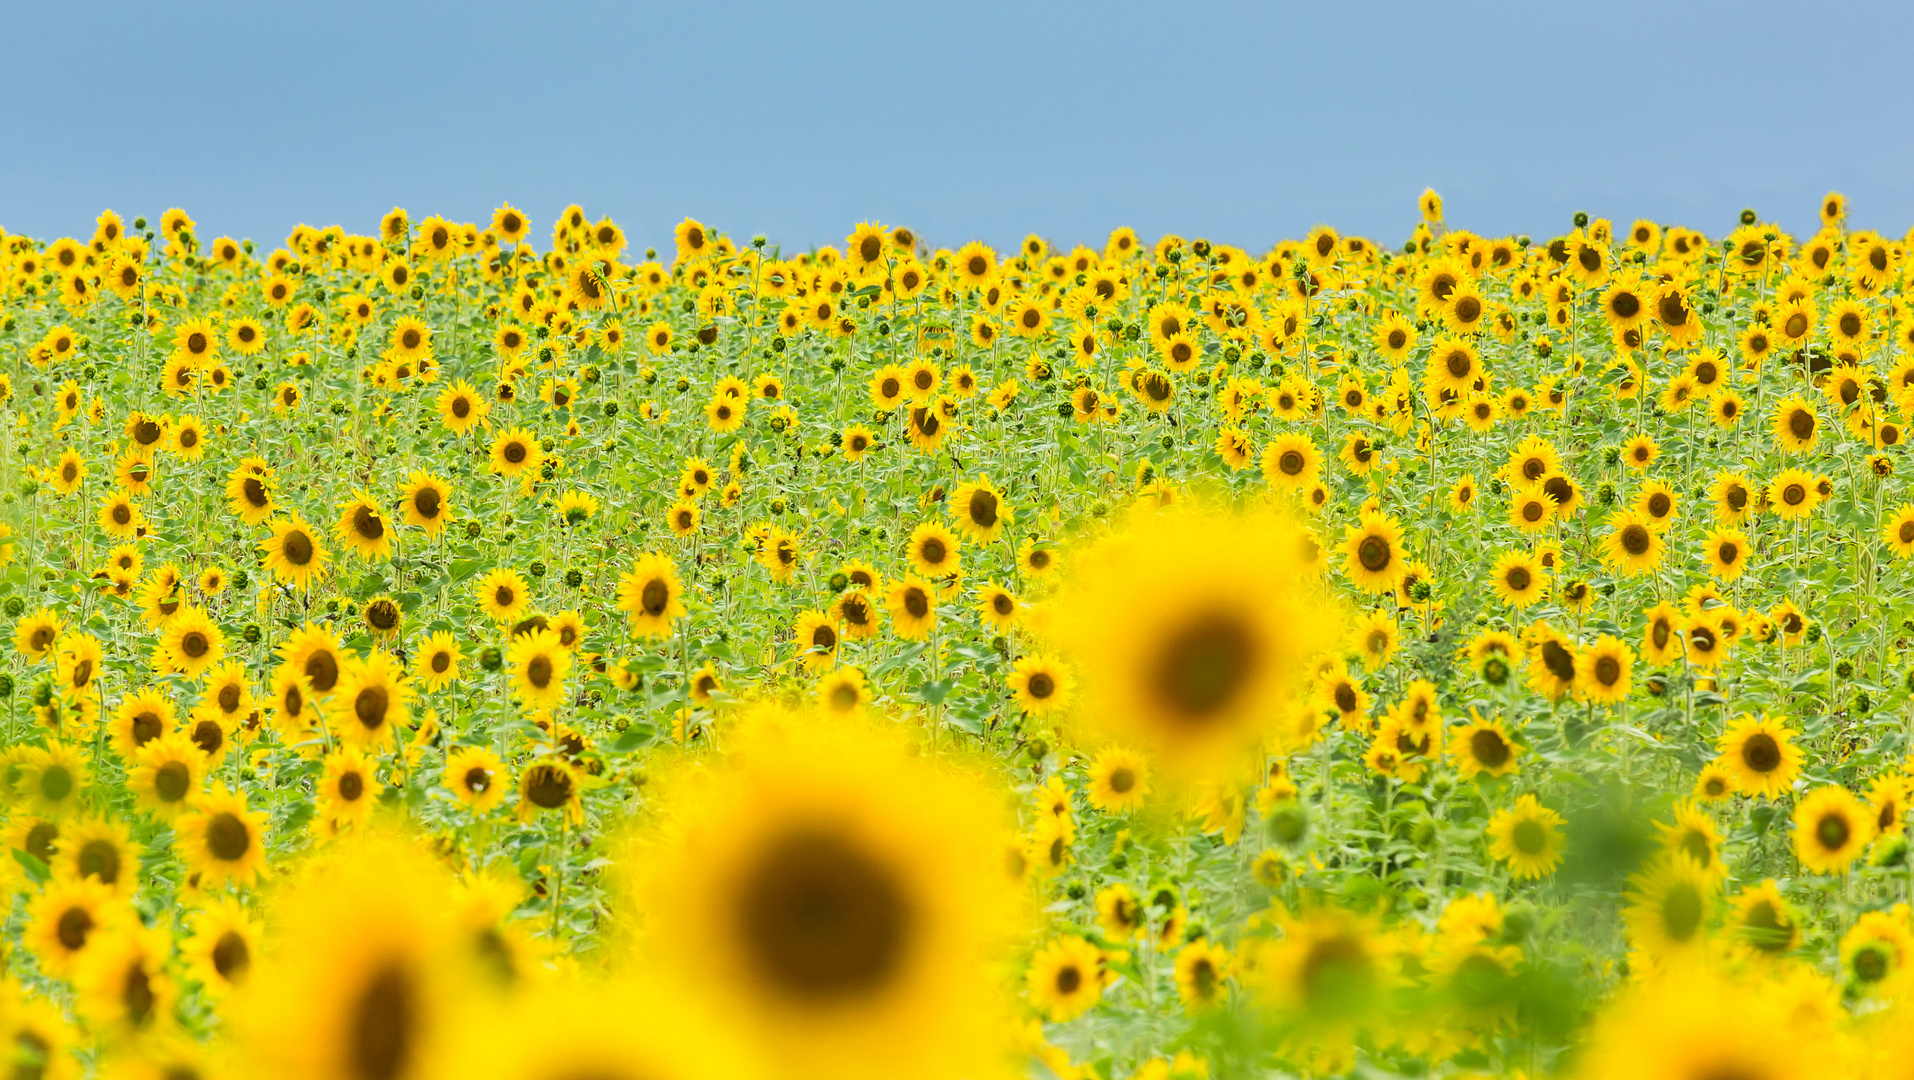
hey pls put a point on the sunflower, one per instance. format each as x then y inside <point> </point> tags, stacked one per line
<point>1035,558</point>
<point>779,553</point>
<point>34,635</point>
<point>1531,508</point>
<point>1762,922</point>
<point>1329,970</point>
<point>1760,756</point>
<point>475,776</point>
<point>857,614</point>
<point>1483,747</point>
<point>1066,978</point>
<point>1668,908</point>
<point>101,850</point>
<point>1291,461</point>
<point>50,778</point>
<point>514,451</point>
<point>221,840</point>
<point>365,985</point>
<point>437,662</point>
<point>978,511</point>
<point>1877,948</point>
<point>1632,545</point>
<point>1551,661</point>
<point>1602,671</point>
<point>682,518</point>
<point>574,508</point>
<point>649,594</point>
<point>1709,636</point>
<point>843,692</point>
<point>1375,638</point>
<point>193,642</point>
<point>195,341</point>
<point>1888,797</point>
<point>1657,504</point>
<point>1394,336</point>
<point>1831,828</point>
<point>1453,366</point>
<point>725,414</point>
<point>1796,428</point>
<point>838,897</point>
<point>68,473</point>
<point>817,638</point>
<point>1794,323</point>
<point>297,711</point>
<point>461,408</point>
<point>1639,452</point>
<point>1118,779</point>
<point>1041,685</point>
<point>1120,915</point>
<point>933,550</point>
<point>141,717</point>
<point>1663,634</point>
<point>425,501</point>
<point>503,595</point>
<point>165,774</point>
<point>1794,493</point>
<point>912,604</point>
<point>856,441</point>
<point>1897,532</point>
<point>314,654</point>
<point>1518,579</point>
<point>249,493</point>
<point>928,426</point>
<point>293,554</point>
<point>348,790</point>
<point>120,517</point>
<point>68,916</point>
<point>1372,552</point>
<point>859,574</point>
<point>538,666</point>
<point>1190,629</point>
<point>374,699</point>
<point>225,940</point>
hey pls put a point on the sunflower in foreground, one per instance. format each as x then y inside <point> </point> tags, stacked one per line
<point>836,896</point>
<point>1190,631</point>
<point>1690,1024</point>
<point>601,1040</point>
<point>367,982</point>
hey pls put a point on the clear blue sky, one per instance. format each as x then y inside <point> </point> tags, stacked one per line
<point>1245,123</point>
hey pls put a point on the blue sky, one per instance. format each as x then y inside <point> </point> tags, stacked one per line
<point>1245,123</point>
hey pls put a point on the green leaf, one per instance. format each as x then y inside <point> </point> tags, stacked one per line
<point>301,815</point>
<point>633,738</point>
<point>36,870</point>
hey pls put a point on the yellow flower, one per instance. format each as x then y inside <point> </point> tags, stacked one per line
<point>1831,827</point>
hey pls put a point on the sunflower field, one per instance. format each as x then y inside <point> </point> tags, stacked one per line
<point>445,652</point>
